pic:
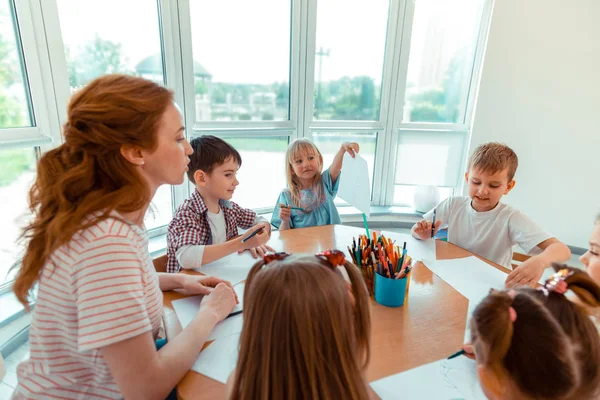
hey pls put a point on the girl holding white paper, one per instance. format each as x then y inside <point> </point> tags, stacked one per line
<point>308,198</point>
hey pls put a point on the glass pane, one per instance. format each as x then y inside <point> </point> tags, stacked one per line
<point>262,175</point>
<point>442,51</point>
<point>100,41</point>
<point>329,144</point>
<point>17,174</point>
<point>160,212</point>
<point>14,93</point>
<point>404,195</point>
<point>110,36</point>
<point>438,155</point>
<point>349,59</point>
<point>241,60</point>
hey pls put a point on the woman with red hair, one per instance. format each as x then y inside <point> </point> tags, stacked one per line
<point>99,300</point>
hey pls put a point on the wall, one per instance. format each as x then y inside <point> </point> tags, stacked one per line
<point>540,94</point>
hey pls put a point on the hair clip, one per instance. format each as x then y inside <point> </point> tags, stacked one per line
<point>557,282</point>
<point>334,257</point>
<point>267,258</point>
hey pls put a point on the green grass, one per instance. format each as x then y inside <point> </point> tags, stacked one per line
<point>274,144</point>
<point>14,162</point>
<point>326,144</point>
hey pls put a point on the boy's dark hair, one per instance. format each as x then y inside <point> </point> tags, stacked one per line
<point>210,152</point>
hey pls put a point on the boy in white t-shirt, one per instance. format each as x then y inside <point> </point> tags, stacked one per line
<point>483,225</point>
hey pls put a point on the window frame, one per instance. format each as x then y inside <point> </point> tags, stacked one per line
<point>404,35</point>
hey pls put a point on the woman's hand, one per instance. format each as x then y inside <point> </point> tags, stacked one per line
<point>201,284</point>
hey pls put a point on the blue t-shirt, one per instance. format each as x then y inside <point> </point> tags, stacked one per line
<point>324,213</point>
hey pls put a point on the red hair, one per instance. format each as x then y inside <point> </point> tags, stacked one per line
<point>87,173</point>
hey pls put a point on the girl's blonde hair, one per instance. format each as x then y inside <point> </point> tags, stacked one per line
<point>299,148</point>
<point>551,350</point>
<point>308,339</point>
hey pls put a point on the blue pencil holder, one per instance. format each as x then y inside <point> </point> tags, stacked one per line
<point>391,292</point>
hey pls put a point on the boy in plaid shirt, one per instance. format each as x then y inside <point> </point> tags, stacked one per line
<point>205,225</point>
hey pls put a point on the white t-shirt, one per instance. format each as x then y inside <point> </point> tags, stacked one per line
<point>190,256</point>
<point>490,234</point>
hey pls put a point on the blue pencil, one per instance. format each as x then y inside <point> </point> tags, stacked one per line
<point>250,236</point>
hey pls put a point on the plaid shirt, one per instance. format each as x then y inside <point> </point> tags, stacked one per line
<point>190,225</point>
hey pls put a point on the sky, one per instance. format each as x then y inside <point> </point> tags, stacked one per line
<point>248,41</point>
<point>239,40</point>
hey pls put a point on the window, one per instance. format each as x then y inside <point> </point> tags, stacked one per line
<point>404,195</point>
<point>329,143</point>
<point>14,94</point>
<point>262,175</point>
<point>99,38</point>
<point>442,51</point>
<point>349,57</point>
<point>241,52</point>
<point>427,158</point>
<point>160,211</point>
<point>99,41</point>
<point>16,177</point>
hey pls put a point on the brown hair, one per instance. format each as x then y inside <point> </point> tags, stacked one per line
<point>306,339</point>
<point>210,152</point>
<point>87,173</point>
<point>494,157</point>
<point>298,148</point>
<point>551,350</point>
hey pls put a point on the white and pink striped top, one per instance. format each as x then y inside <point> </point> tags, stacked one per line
<point>99,290</point>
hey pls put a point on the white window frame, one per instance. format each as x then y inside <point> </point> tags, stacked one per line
<point>43,49</point>
<point>250,129</point>
<point>31,41</point>
<point>403,37</point>
<point>170,50</point>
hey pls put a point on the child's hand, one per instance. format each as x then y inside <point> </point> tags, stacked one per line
<point>285,213</point>
<point>351,148</point>
<point>526,274</point>
<point>469,351</point>
<point>258,240</point>
<point>422,229</point>
<point>259,251</point>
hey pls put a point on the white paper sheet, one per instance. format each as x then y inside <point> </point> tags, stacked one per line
<point>425,250</point>
<point>355,187</point>
<point>233,268</point>
<point>471,277</point>
<point>418,250</point>
<point>441,380</point>
<point>187,308</point>
<point>218,360</point>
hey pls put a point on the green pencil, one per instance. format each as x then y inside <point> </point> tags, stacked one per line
<point>366,225</point>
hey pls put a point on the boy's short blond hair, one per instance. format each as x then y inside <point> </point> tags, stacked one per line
<point>494,157</point>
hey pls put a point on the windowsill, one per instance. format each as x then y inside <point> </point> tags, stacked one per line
<point>11,308</point>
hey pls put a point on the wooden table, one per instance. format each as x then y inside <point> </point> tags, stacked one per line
<point>428,327</point>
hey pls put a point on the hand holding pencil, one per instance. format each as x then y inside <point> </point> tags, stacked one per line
<point>285,212</point>
<point>424,229</point>
<point>254,240</point>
